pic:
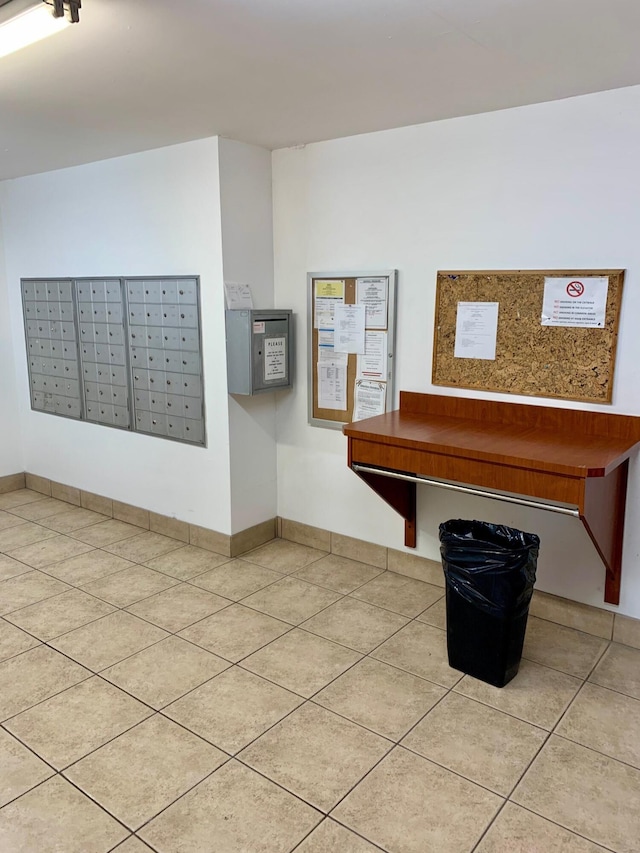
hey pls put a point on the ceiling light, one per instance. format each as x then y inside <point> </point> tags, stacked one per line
<point>23,22</point>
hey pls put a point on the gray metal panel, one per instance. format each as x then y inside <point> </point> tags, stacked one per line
<point>103,352</point>
<point>238,331</point>
<point>48,309</point>
<point>175,404</point>
<point>101,291</point>
<point>189,340</point>
<point>85,352</point>
<point>165,356</point>
<point>251,369</point>
<point>272,352</point>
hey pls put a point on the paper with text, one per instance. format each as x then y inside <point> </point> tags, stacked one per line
<point>328,294</point>
<point>575,302</point>
<point>372,364</point>
<point>238,295</point>
<point>275,358</point>
<point>373,294</point>
<point>349,328</point>
<point>476,330</point>
<point>332,381</point>
<point>369,399</point>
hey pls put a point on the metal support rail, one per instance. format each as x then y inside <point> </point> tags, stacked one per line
<point>467,490</point>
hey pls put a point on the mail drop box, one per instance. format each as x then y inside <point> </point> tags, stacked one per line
<point>259,350</point>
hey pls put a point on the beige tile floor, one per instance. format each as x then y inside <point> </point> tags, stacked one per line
<point>158,697</point>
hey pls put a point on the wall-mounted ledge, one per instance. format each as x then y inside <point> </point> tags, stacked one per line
<point>567,460</point>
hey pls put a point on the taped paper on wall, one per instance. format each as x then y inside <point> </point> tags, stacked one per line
<point>238,296</point>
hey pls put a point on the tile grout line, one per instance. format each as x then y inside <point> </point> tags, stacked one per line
<point>343,595</point>
<point>501,808</point>
<point>310,699</point>
<point>561,826</point>
<point>327,819</point>
<point>304,702</point>
<point>633,767</point>
<point>123,609</point>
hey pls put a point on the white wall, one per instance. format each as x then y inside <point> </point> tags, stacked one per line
<point>247,250</point>
<point>549,186</point>
<point>146,214</point>
<point>11,460</point>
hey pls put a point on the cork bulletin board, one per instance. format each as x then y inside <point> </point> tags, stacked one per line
<point>565,362</point>
<point>346,386</point>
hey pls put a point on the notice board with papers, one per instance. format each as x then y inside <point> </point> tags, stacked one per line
<point>351,324</point>
<point>544,333</point>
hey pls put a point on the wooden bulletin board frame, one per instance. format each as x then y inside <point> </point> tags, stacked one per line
<point>531,359</point>
<point>335,418</point>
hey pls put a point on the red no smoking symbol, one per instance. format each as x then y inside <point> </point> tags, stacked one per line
<point>575,288</point>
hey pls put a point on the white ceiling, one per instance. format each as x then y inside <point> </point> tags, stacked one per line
<point>140,74</point>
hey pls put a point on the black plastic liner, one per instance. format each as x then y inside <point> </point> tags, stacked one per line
<point>490,571</point>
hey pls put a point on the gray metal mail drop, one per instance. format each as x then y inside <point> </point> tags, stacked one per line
<point>259,350</point>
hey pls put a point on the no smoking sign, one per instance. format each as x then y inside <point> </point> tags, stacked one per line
<point>575,289</point>
<point>575,302</point>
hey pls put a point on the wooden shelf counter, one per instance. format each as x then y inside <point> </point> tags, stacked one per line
<point>564,460</point>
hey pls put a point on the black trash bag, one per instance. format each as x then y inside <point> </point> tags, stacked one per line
<point>490,571</point>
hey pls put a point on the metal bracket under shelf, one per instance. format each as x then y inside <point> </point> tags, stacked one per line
<point>467,490</point>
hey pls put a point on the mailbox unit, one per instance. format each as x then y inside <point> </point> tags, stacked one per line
<point>52,347</point>
<point>118,352</point>
<point>259,350</point>
<point>102,352</point>
<point>164,337</point>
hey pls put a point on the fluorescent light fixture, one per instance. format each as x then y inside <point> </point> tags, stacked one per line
<point>32,22</point>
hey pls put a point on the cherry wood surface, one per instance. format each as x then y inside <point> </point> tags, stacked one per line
<point>565,456</point>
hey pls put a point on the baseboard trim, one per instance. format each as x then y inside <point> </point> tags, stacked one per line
<point>11,482</point>
<point>190,534</point>
<point>571,614</point>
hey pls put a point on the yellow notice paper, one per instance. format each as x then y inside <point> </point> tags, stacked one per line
<point>330,288</point>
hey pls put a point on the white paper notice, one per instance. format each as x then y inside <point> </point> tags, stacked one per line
<point>327,295</point>
<point>476,330</point>
<point>325,338</point>
<point>275,358</point>
<point>349,328</point>
<point>369,399</point>
<point>332,381</point>
<point>238,295</point>
<point>373,364</point>
<point>372,293</point>
<point>575,302</point>
<point>328,356</point>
